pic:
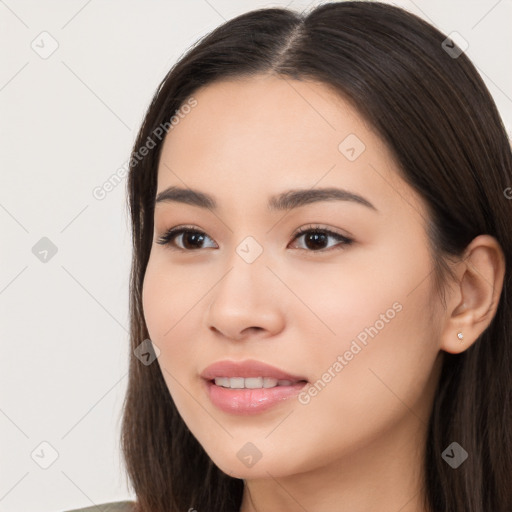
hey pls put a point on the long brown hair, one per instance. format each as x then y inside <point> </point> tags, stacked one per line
<point>437,117</point>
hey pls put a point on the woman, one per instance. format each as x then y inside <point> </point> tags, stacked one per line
<point>320,302</point>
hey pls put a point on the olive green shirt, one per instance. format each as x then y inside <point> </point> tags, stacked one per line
<point>114,506</point>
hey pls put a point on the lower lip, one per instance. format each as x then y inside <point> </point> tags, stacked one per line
<point>250,401</point>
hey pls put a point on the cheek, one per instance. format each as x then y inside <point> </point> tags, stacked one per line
<point>374,312</point>
<point>163,308</point>
<point>172,304</point>
<point>174,300</point>
<point>153,299</point>
<point>380,361</point>
<point>169,297</point>
<point>362,288</point>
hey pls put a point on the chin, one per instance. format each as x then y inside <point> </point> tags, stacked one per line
<point>241,466</point>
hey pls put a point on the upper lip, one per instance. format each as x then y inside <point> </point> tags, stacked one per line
<point>247,368</point>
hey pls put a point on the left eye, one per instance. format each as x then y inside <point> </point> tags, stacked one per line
<point>191,239</point>
<point>315,236</point>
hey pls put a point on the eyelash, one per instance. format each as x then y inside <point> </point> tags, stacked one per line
<point>168,237</point>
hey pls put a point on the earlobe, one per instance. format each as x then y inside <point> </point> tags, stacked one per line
<point>475,297</point>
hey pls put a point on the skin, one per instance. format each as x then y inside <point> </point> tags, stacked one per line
<point>358,444</point>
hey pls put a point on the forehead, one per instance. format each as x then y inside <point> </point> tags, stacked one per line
<point>267,112</point>
<point>250,138</point>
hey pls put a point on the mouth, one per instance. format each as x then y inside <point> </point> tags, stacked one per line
<point>248,401</point>
<point>249,386</point>
<point>253,372</point>
<point>254,382</point>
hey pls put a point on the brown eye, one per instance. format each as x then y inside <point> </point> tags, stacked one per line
<point>190,239</point>
<point>316,239</point>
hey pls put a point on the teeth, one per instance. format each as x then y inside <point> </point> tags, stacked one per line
<point>250,382</point>
<point>269,382</point>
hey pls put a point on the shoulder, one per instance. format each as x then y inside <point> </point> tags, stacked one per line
<point>114,506</point>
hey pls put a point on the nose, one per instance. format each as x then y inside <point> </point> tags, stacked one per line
<point>246,302</point>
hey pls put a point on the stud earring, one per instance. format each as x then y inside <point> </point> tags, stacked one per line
<point>460,336</point>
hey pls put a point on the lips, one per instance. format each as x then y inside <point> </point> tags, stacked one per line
<point>247,368</point>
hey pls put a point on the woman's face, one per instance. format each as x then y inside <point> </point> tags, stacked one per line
<point>353,319</point>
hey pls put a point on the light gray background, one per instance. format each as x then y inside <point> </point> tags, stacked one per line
<point>67,124</point>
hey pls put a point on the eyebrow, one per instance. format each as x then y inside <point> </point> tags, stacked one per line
<point>284,201</point>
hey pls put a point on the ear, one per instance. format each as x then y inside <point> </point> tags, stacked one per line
<point>473,301</point>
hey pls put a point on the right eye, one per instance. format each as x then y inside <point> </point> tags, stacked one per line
<point>190,238</point>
